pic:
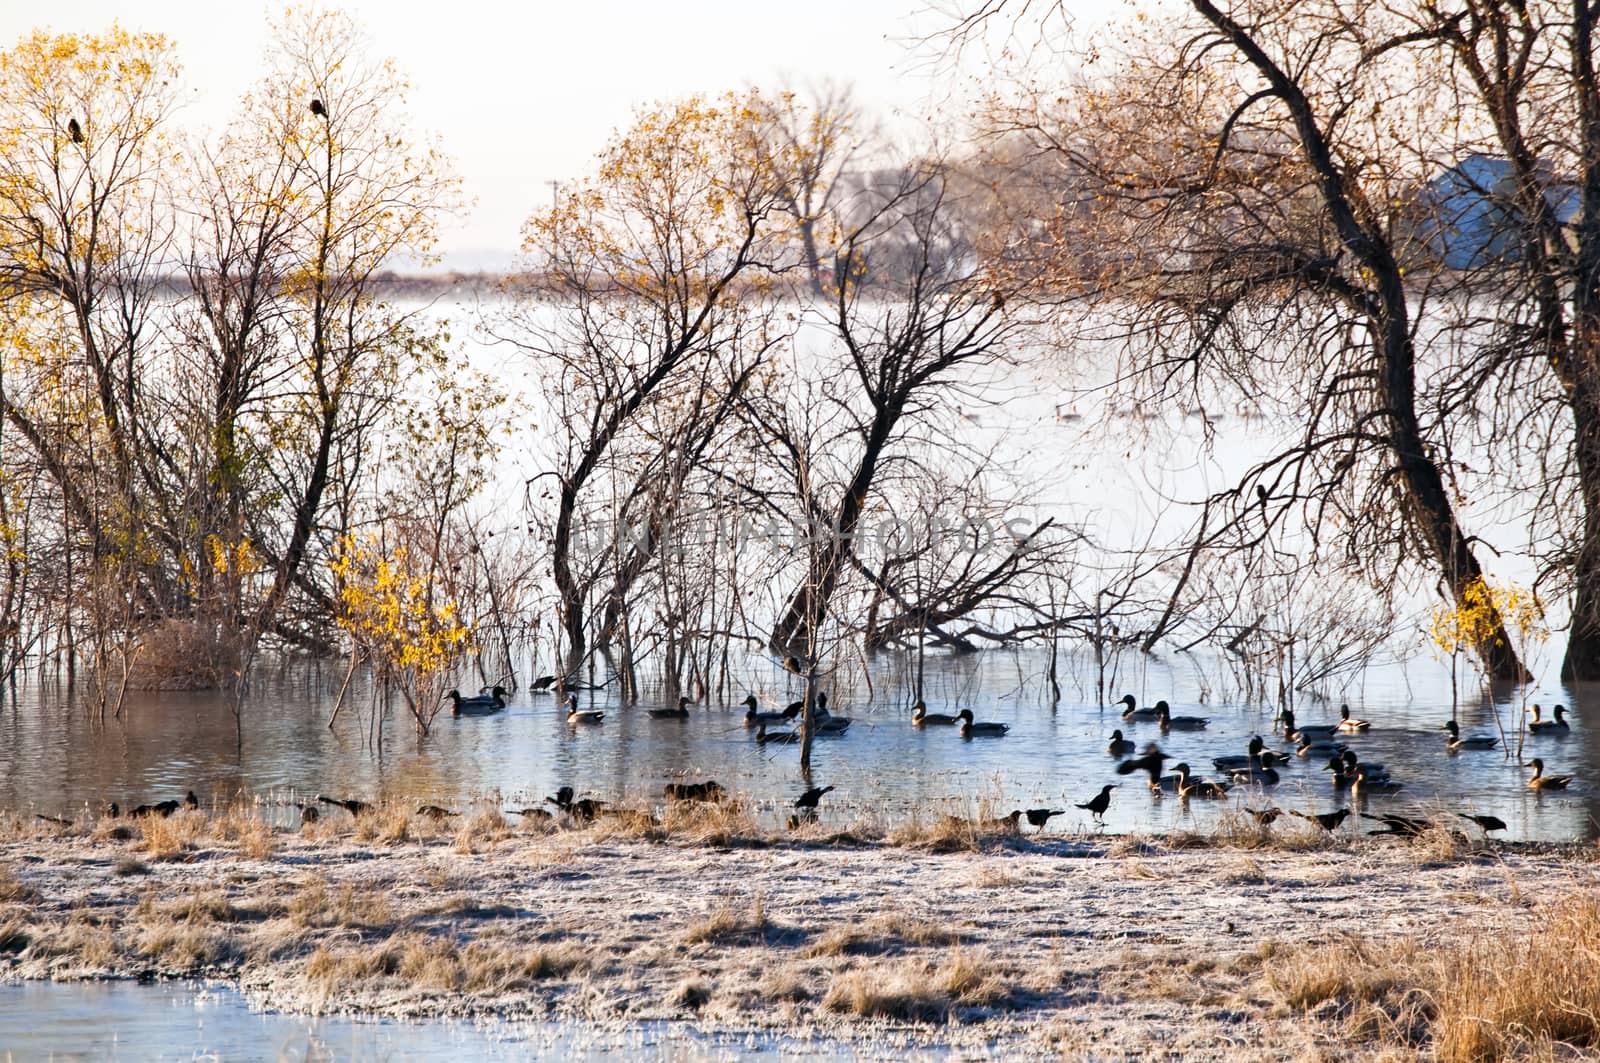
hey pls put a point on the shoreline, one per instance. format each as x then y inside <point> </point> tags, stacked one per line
<point>922,939</point>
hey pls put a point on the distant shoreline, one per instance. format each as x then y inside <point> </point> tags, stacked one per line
<point>1012,945</point>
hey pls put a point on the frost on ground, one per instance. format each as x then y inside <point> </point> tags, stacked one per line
<point>1001,944</point>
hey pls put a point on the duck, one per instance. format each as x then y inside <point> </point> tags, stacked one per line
<point>1352,762</point>
<point>1312,747</point>
<point>1254,775</point>
<point>679,713</point>
<point>1348,724</point>
<point>1366,783</point>
<point>1038,817</point>
<point>1099,802</point>
<point>795,708</point>
<point>1189,786</point>
<point>1328,821</point>
<point>709,791</point>
<point>1541,781</point>
<point>576,715</point>
<point>543,685</point>
<point>1149,762</point>
<point>826,722</point>
<point>478,704</point>
<point>766,737</point>
<point>1557,725</point>
<point>921,717</point>
<point>1455,742</point>
<point>969,729</point>
<point>753,718</point>
<point>1294,732</point>
<point>1119,746</point>
<point>1170,722</point>
<point>1133,712</point>
<point>1242,761</point>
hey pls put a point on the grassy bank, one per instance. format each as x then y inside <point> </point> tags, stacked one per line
<point>1282,942</point>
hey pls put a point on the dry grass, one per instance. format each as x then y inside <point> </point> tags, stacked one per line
<point>172,837</point>
<point>243,826</point>
<point>881,934</point>
<point>1506,994</point>
<point>730,922</point>
<point>13,889</point>
<point>317,906</point>
<point>418,961</point>
<point>479,831</point>
<point>388,824</point>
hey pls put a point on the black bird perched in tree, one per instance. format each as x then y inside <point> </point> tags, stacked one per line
<point>810,798</point>
<point>1328,821</point>
<point>350,805</point>
<point>318,110</point>
<point>1150,763</point>
<point>1040,816</point>
<point>1488,823</point>
<point>1261,494</point>
<point>1102,800</point>
<point>74,130</point>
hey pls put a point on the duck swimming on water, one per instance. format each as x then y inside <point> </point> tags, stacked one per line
<point>969,729</point>
<point>920,716</point>
<point>1133,712</point>
<point>679,713</point>
<point>1541,781</point>
<point>1119,746</point>
<point>586,716</point>
<point>1455,742</point>
<point>1558,725</point>
<point>1170,722</point>
<point>1349,725</point>
<point>478,704</point>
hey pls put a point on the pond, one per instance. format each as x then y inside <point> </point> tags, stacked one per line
<point>58,761</point>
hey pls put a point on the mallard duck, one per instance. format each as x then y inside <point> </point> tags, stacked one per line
<point>752,718</point>
<point>1242,762</point>
<point>576,715</point>
<point>1133,712</point>
<point>1119,746</point>
<point>1038,817</point>
<point>1349,725</point>
<point>1170,722</point>
<point>920,716</point>
<point>681,712</point>
<point>1099,802</point>
<point>1552,726</point>
<point>1189,786</point>
<point>1149,762</point>
<point>1296,732</point>
<point>1541,781</point>
<point>1253,775</point>
<point>710,791</point>
<point>765,737</point>
<point>1456,742</point>
<point>1373,768</point>
<point>1328,821</point>
<point>969,729</point>
<point>1311,747</point>
<point>478,704</point>
<point>1366,783</point>
<point>826,722</point>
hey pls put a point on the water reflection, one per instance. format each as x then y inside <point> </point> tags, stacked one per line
<point>57,760</point>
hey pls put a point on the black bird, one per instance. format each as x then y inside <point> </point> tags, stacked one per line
<point>710,790</point>
<point>583,811</point>
<point>74,130</point>
<point>1328,821</point>
<point>542,685</point>
<point>166,808</point>
<point>318,110</point>
<point>1488,823</point>
<point>309,814</point>
<point>1040,816</point>
<point>113,811</point>
<point>350,805</point>
<point>1404,826</point>
<point>1102,800</point>
<point>810,798</point>
<point>435,812</point>
<point>1261,495</point>
<point>1150,763</point>
<point>681,712</point>
<point>57,820</point>
<point>1264,816</point>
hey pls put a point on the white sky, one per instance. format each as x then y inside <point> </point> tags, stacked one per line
<point>526,93</point>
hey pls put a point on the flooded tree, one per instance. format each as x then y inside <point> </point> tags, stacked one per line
<point>1248,189</point>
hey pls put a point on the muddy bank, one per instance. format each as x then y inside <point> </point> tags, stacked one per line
<point>1076,945</point>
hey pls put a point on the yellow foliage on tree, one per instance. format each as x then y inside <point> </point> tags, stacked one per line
<point>1484,608</point>
<point>394,613</point>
